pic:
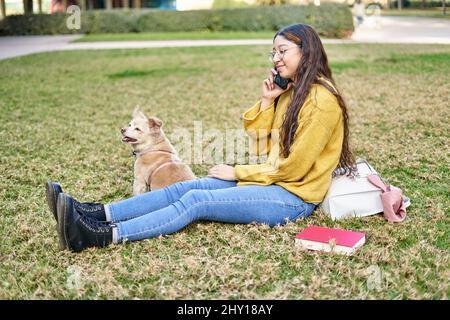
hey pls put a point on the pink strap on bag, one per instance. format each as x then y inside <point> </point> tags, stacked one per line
<point>392,199</point>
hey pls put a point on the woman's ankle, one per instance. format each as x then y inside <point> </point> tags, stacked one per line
<point>115,235</point>
<point>108,216</point>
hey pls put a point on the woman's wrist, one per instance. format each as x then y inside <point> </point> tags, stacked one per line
<point>265,103</point>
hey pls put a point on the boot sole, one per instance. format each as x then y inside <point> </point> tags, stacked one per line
<point>63,244</point>
<point>52,198</point>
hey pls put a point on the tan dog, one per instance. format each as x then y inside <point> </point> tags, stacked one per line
<point>157,163</point>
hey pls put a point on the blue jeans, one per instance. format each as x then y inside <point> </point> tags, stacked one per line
<point>165,211</point>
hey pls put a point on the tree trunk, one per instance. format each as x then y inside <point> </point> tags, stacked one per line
<point>28,6</point>
<point>83,5</point>
<point>3,8</point>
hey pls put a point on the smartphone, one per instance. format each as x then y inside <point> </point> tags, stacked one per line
<point>281,82</point>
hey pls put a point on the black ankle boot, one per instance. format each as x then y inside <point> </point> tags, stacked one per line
<point>93,209</point>
<point>79,231</point>
<point>52,191</point>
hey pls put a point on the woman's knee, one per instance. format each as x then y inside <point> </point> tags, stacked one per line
<point>208,183</point>
<point>178,189</point>
<point>205,183</point>
<point>194,196</point>
<point>193,203</point>
<point>198,183</point>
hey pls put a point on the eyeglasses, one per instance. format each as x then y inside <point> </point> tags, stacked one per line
<point>279,53</point>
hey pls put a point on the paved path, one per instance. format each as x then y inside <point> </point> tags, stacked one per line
<point>24,45</point>
<point>403,30</point>
<point>373,30</point>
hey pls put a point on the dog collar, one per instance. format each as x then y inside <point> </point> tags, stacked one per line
<point>134,153</point>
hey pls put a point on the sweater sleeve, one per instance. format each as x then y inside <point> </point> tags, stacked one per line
<point>311,137</point>
<point>258,125</point>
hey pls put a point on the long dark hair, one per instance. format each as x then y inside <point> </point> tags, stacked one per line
<point>313,64</point>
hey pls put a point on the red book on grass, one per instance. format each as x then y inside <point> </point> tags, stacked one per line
<point>330,240</point>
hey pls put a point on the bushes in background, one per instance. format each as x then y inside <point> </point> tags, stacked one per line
<point>329,20</point>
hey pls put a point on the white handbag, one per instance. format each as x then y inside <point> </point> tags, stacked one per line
<point>356,197</point>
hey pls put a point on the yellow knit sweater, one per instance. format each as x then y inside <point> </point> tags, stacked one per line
<point>314,154</point>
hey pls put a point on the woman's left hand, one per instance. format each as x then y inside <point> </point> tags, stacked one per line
<point>222,171</point>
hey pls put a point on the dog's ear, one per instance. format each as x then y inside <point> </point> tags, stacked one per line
<point>154,122</point>
<point>137,113</point>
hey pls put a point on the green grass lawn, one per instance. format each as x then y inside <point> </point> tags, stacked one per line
<point>61,113</point>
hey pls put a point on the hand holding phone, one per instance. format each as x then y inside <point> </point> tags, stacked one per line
<point>274,85</point>
<point>281,82</point>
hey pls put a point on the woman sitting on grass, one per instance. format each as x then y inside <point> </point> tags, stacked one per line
<point>313,122</point>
